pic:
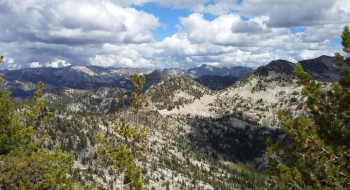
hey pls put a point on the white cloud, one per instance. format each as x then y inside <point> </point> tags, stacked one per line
<point>219,8</point>
<point>57,63</point>
<point>9,60</point>
<point>218,31</point>
<point>90,16</point>
<point>35,65</point>
<point>250,26</point>
<point>296,13</point>
<point>309,54</point>
<point>56,33</point>
<point>170,3</point>
<point>230,30</point>
<point>84,21</point>
<point>321,33</point>
<point>126,55</point>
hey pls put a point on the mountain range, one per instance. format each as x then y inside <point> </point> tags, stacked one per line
<point>23,82</point>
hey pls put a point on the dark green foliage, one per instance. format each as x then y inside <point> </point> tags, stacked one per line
<point>346,39</point>
<point>24,164</point>
<point>122,162</point>
<point>316,154</point>
<point>36,169</point>
<point>8,126</point>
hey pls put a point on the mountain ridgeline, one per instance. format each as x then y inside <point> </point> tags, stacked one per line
<point>322,68</point>
<point>23,82</point>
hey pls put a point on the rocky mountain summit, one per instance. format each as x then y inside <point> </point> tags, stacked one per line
<point>322,68</point>
<point>278,66</point>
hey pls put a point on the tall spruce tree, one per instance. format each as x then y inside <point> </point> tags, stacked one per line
<point>316,154</point>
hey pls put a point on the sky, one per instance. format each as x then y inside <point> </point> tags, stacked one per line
<point>168,33</point>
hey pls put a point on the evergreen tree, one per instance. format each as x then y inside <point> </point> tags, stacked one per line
<point>24,164</point>
<point>123,158</point>
<point>316,154</point>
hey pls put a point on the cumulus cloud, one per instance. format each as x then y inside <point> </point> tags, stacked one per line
<point>249,26</point>
<point>130,55</point>
<point>217,9</point>
<point>218,31</point>
<point>230,30</point>
<point>57,33</point>
<point>35,65</point>
<point>69,30</point>
<point>57,63</point>
<point>321,33</point>
<point>170,3</point>
<point>298,13</point>
<point>80,22</point>
<point>230,40</point>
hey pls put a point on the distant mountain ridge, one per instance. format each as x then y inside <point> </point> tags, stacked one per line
<point>22,82</point>
<point>217,82</point>
<point>322,68</point>
<point>238,71</point>
<point>279,66</point>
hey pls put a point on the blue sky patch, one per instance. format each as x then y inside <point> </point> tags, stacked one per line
<point>209,17</point>
<point>336,42</point>
<point>239,2</point>
<point>167,16</point>
<point>244,18</point>
<point>297,29</point>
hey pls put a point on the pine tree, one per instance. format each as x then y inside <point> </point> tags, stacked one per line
<point>138,100</point>
<point>24,164</point>
<point>123,158</point>
<point>316,154</point>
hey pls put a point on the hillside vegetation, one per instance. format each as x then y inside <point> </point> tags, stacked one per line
<point>175,92</point>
